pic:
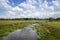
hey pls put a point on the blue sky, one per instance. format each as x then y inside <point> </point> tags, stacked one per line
<point>16,2</point>
<point>29,8</point>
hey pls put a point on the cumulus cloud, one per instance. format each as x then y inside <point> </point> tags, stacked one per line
<point>30,9</point>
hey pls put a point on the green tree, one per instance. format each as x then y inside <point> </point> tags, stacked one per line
<point>51,19</point>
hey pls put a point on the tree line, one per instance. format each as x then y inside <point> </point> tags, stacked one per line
<point>51,19</point>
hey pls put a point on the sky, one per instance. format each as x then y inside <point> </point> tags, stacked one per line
<point>29,8</point>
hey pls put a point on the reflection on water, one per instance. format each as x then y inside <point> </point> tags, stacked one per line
<point>24,34</point>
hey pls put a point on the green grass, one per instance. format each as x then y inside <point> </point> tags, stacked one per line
<point>7,26</point>
<point>46,31</point>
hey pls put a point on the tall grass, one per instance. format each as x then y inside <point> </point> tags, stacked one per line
<point>46,31</point>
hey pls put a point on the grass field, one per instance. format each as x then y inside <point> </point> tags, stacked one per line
<point>46,31</point>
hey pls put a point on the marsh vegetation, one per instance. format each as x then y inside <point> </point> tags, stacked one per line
<point>47,30</point>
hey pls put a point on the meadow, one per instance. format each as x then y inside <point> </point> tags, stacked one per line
<point>46,30</point>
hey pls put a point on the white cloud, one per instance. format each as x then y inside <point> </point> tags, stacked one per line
<point>56,15</point>
<point>56,4</point>
<point>11,11</point>
<point>16,9</point>
<point>30,8</point>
